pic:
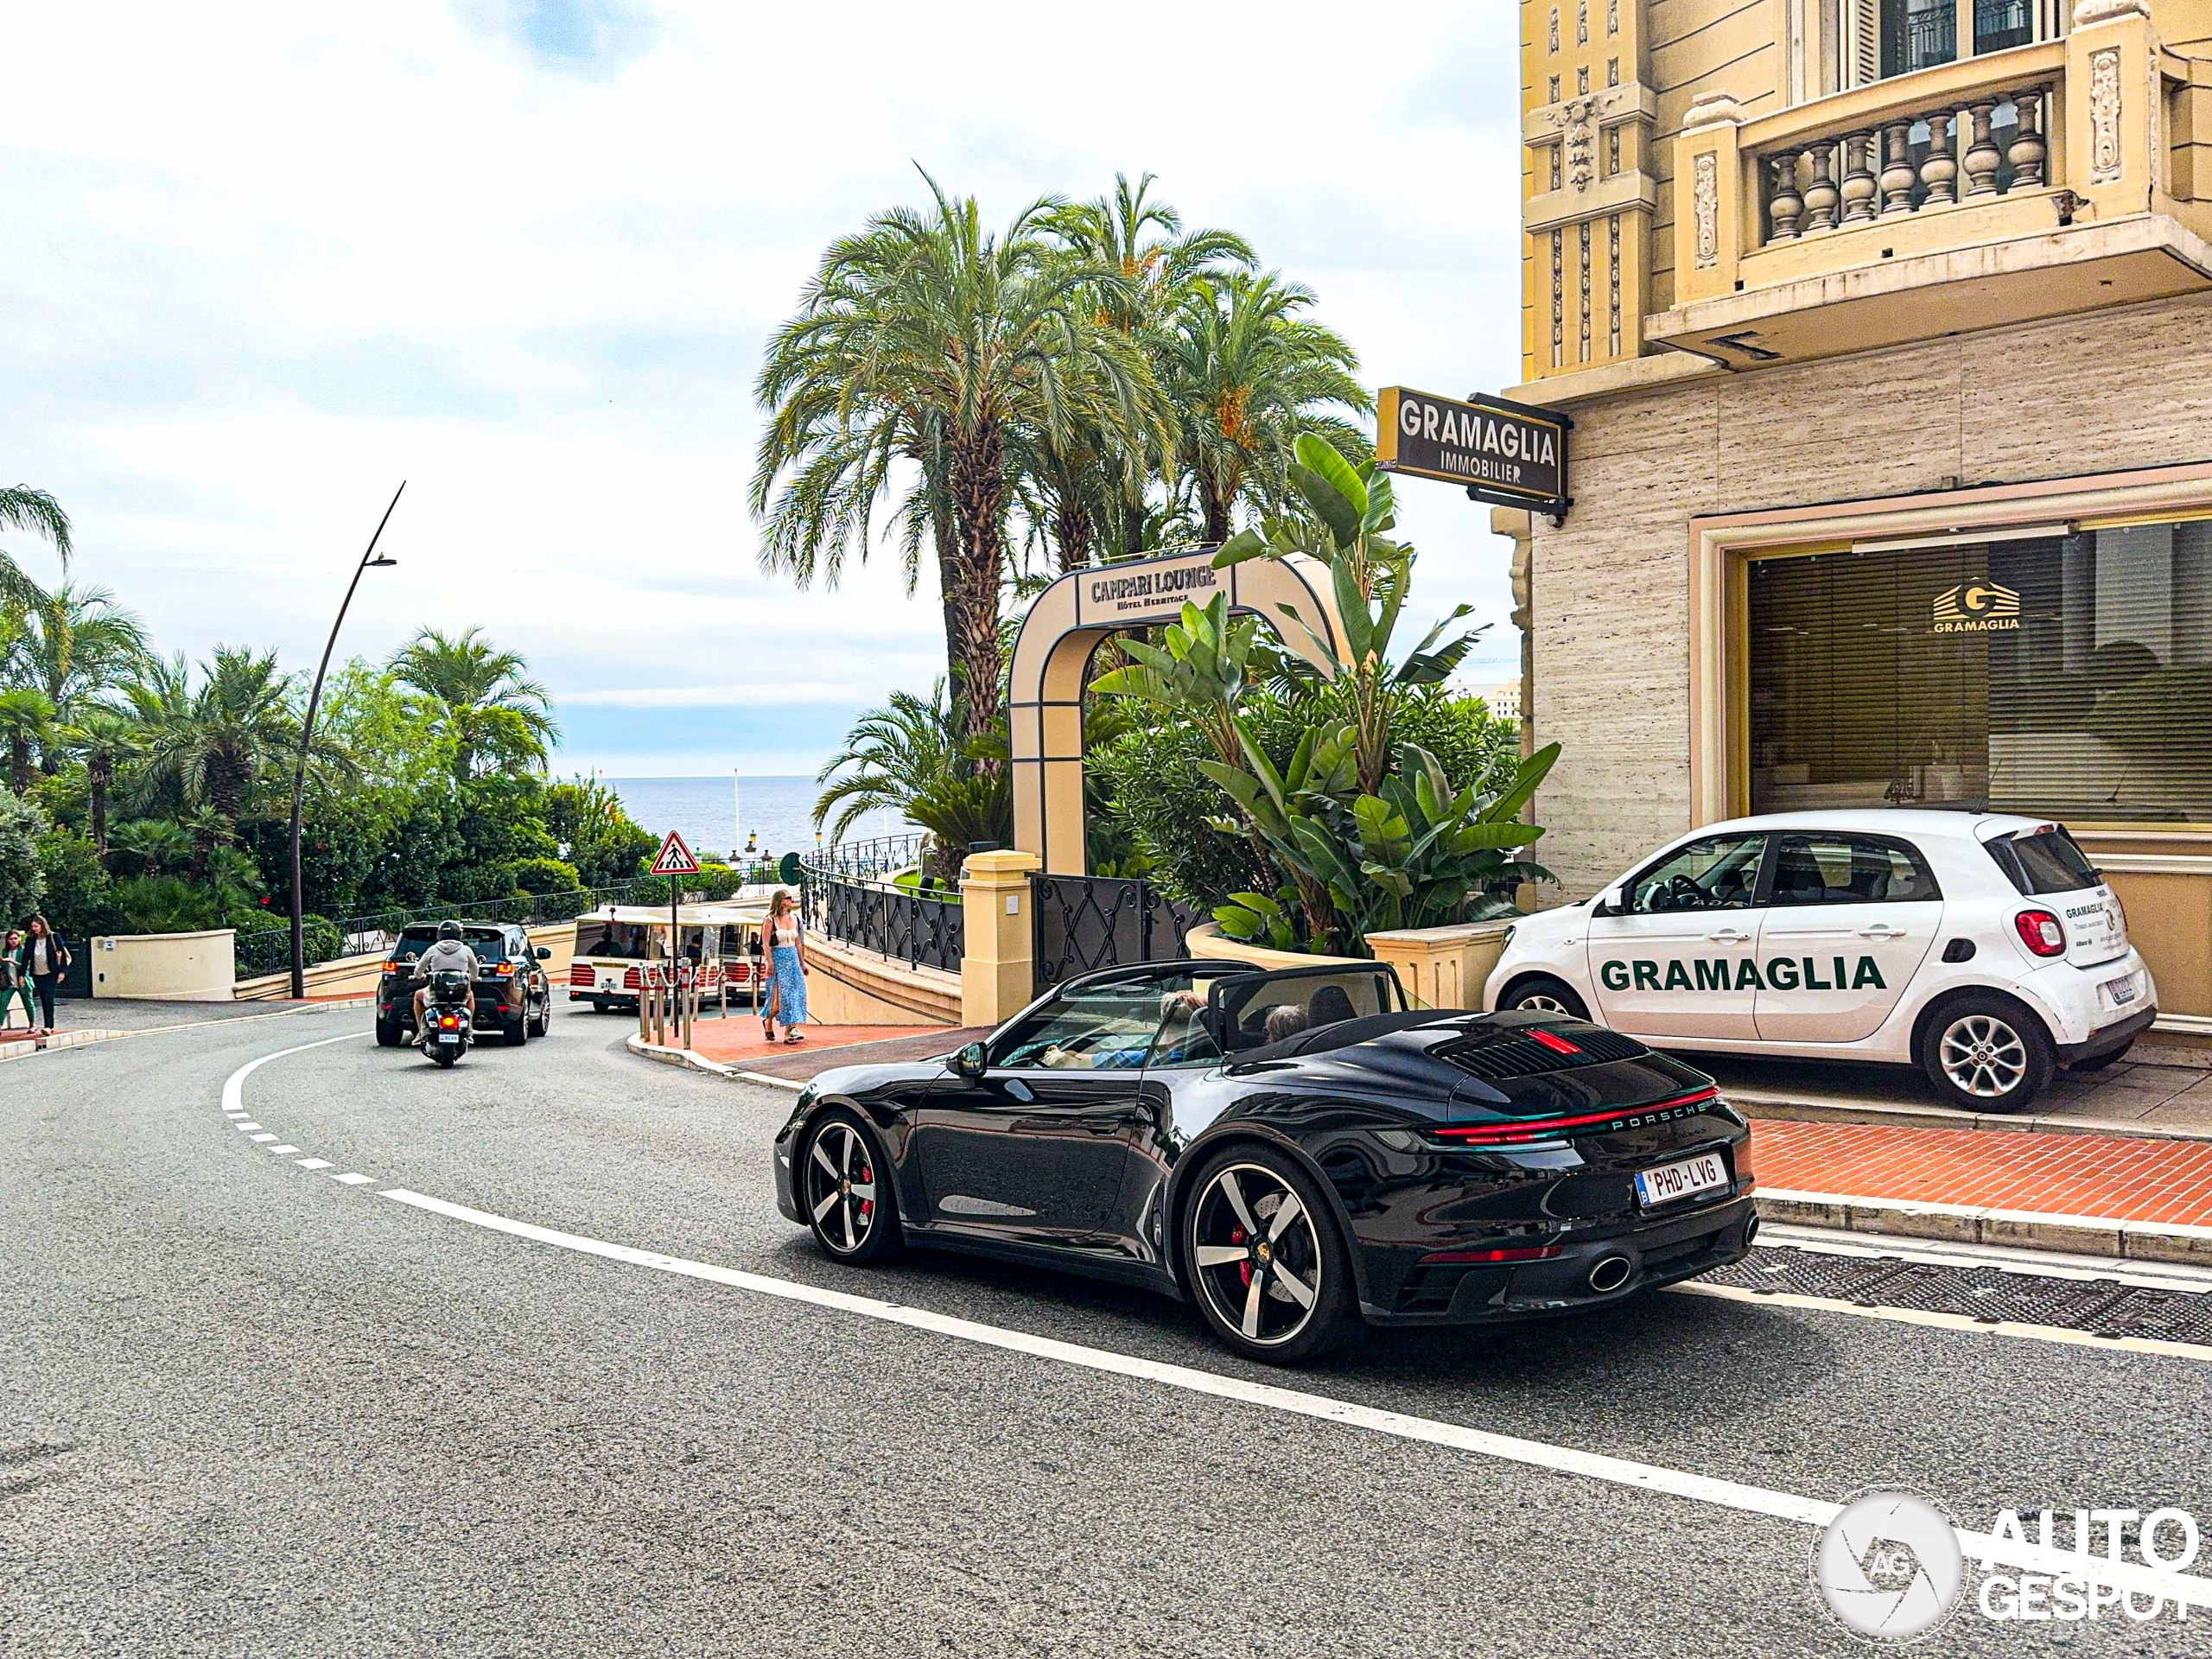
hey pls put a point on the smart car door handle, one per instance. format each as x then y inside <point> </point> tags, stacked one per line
<point>1881,930</point>
<point>1729,936</point>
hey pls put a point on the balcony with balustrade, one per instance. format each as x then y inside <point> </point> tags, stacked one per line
<point>2021,183</point>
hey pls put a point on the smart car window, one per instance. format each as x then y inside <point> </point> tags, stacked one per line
<point>1720,872</point>
<point>2044,862</point>
<point>1106,1028</point>
<point>1838,869</point>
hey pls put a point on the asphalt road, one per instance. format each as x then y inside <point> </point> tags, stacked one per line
<point>246,1407</point>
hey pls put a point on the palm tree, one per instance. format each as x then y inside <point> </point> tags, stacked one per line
<point>1250,373</point>
<point>1096,489</point>
<point>238,726</point>
<point>78,641</point>
<point>156,844</point>
<point>893,756</point>
<point>104,739</point>
<point>926,340</point>
<point>481,698</point>
<point>25,717</point>
<point>35,511</point>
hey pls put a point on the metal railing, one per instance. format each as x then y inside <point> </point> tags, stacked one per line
<point>866,860</point>
<point>265,951</point>
<point>1084,923</point>
<point>923,930</point>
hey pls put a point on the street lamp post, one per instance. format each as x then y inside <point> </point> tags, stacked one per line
<point>370,560</point>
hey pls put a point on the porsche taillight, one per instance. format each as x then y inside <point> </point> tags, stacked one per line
<point>1544,1129</point>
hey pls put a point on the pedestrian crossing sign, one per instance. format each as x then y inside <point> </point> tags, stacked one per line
<point>675,858</point>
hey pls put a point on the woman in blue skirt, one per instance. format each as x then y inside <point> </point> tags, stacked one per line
<point>784,938</point>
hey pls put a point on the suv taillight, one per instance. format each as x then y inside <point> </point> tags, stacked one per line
<point>2042,932</point>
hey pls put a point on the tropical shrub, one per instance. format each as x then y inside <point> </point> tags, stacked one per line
<point>543,875</point>
<point>23,878</point>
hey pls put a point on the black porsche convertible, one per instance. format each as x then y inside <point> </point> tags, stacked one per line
<point>1293,1151</point>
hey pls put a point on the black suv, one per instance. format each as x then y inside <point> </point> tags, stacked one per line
<point>512,993</point>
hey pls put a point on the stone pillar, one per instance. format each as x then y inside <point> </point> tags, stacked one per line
<point>1709,192</point>
<point>1443,966</point>
<point>998,968</point>
<point>2115,108</point>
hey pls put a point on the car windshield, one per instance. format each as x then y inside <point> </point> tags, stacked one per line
<point>2044,861</point>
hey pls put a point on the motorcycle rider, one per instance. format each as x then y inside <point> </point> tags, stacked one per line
<point>448,952</point>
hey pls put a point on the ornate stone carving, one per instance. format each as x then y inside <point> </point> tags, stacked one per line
<point>2090,12</point>
<point>1559,299</point>
<point>1705,197</point>
<point>1582,22</point>
<point>1577,119</point>
<point>1613,270</point>
<point>1612,16</point>
<point>1584,314</point>
<point>2105,156</point>
<point>1554,28</point>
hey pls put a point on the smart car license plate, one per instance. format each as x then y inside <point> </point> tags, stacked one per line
<point>1704,1173</point>
<point>2122,991</point>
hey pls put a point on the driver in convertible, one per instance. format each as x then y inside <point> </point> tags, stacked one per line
<point>448,953</point>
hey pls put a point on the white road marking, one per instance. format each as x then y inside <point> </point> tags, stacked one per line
<point>234,1086</point>
<point>280,1148</point>
<point>2030,1263</point>
<point>314,1163</point>
<point>247,1126</point>
<point>353,1177</point>
<point>265,1136</point>
<point>1950,1321</point>
<point>1561,1459</point>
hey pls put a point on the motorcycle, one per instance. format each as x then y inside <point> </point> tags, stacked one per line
<point>447,1018</point>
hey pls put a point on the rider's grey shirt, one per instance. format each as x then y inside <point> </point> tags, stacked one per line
<point>446,953</point>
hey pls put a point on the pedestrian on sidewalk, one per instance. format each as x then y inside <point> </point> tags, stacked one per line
<point>42,957</point>
<point>12,984</point>
<point>784,938</point>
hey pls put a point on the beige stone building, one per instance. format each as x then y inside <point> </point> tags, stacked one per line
<point>1886,329</point>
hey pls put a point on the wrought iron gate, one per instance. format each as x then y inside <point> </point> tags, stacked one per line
<point>1082,922</point>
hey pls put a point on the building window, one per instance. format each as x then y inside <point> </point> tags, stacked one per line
<point>1918,35</point>
<point>2067,676</point>
<point>1999,24</point>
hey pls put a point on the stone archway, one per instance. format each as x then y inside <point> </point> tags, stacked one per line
<point>1052,660</point>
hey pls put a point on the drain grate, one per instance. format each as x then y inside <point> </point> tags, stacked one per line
<point>2105,1307</point>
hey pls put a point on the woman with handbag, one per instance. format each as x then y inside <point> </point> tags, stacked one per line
<point>14,985</point>
<point>42,957</point>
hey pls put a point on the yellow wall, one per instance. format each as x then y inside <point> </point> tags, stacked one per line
<point>168,966</point>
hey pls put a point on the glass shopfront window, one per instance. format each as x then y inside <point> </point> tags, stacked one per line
<point>2067,676</point>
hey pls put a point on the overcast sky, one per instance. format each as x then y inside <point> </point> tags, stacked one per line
<point>265,262</point>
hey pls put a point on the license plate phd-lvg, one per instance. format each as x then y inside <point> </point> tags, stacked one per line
<point>1705,1172</point>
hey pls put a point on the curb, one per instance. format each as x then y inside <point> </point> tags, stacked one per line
<point>1944,1117</point>
<point>90,1036</point>
<point>1960,1223</point>
<point>698,1062</point>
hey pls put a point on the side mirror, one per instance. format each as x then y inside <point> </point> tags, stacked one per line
<point>1608,904</point>
<point>969,1061</point>
<point>545,953</point>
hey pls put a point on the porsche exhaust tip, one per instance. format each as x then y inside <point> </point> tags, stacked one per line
<point>1610,1273</point>
<point>1751,1232</point>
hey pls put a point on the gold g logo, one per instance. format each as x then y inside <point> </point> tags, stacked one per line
<point>1977,606</point>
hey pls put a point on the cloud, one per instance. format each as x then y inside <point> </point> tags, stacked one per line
<point>266,261</point>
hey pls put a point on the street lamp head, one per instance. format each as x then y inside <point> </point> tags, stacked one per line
<point>382,561</point>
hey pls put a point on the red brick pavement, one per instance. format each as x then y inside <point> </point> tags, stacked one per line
<point>2111,1177</point>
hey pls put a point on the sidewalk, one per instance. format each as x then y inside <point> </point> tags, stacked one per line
<point>2101,1195</point>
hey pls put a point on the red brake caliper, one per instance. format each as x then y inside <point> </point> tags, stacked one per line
<point>867,1206</point>
<point>1236,1236</point>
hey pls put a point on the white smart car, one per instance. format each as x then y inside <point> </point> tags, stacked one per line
<point>1983,948</point>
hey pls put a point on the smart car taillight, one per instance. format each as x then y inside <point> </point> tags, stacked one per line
<point>2042,932</point>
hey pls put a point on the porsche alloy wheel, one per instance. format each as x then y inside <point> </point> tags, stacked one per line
<point>1265,1260</point>
<point>848,1194</point>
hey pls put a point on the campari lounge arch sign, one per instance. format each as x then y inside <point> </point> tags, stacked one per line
<point>1509,454</point>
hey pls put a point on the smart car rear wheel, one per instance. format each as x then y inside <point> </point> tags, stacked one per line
<point>1544,994</point>
<point>847,1190</point>
<point>1269,1272</point>
<point>1986,1054</point>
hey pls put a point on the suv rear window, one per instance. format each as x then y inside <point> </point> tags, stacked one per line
<point>489,944</point>
<point>2044,861</point>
